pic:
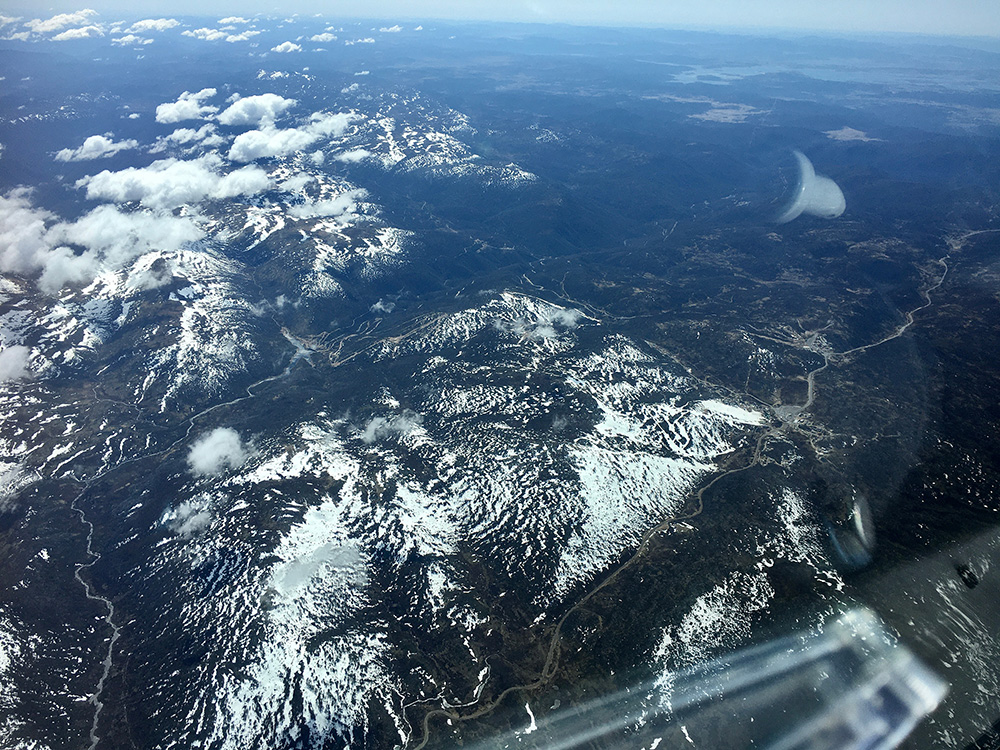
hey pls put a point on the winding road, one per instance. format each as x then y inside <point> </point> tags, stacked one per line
<point>810,341</point>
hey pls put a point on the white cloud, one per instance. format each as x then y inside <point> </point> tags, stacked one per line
<point>153,24</point>
<point>190,517</point>
<point>189,106</point>
<point>64,267</point>
<point>233,19</point>
<point>296,184</point>
<point>206,135</point>
<point>23,228</point>
<point>546,326</point>
<point>383,307</point>
<point>60,21</point>
<point>214,35</point>
<point>208,35</point>
<point>287,47</point>
<point>324,37</point>
<point>14,363</point>
<point>550,321</point>
<point>85,32</point>
<point>340,560</point>
<point>33,240</point>
<point>353,156</point>
<point>120,237</point>
<point>242,36</point>
<point>131,40</point>
<point>330,125</point>
<point>255,110</point>
<point>170,183</point>
<point>134,116</point>
<point>391,29</point>
<point>216,451</point>
<point>150,272</point>
<point>567,318</point>
<point>342,204</point>
<point>13,479</point>
<point>270,141</point>
<point>380,428</point>
<point>95,147</point>
<point>367,40</point>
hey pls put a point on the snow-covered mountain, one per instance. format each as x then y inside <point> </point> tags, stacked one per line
<point>357,380</point>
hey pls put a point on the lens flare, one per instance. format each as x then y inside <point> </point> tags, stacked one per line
<point>816,195</point>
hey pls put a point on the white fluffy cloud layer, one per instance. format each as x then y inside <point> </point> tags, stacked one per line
<point>287,47</point>
<point>380,428</point>
<point>152,24</point>
<point>189,106</point>
<point>206,135</point>
<point>205,34</point>
<point>95,147</point>
<point>255,110</point>
<point>271,141</point>
<point>243,35</point>
<point>84,32</point>
<point>190,517</point>
<point>214,35</point>
<point>14,363</point>
<point>548,325</point>
<point>353,156</point>
<point>34,241</point>
<point>216,451</point>
<point>60,21</point>
<point>256,144</point>
<point>131,40</point>
<point>170,183</point>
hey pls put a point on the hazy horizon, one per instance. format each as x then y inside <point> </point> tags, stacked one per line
<point>974,18</point>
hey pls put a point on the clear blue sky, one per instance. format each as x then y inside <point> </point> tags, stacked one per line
<point>965,17</point>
